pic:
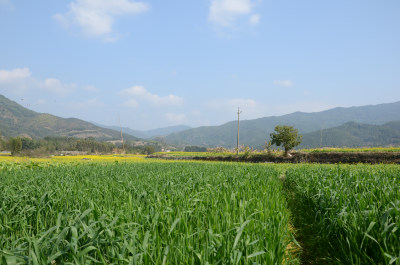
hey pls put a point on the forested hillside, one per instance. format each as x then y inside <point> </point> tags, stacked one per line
<point>255,132</point>
<point>16,120</point>
<point>354,134</point>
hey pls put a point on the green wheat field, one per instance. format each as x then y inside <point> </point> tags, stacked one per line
<point>140,212</point>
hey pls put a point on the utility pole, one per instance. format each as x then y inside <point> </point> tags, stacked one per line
<point>237,144</point>
<point>122,138</point>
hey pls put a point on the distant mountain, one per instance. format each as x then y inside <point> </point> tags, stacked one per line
<point>149,134</point>
<point>255,132</point>
<point>15,120</point>
<point>354,134</point>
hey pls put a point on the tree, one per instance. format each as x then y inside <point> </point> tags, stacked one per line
<point>286,136</point>
<point>15,145</point>
<point>149,149</point>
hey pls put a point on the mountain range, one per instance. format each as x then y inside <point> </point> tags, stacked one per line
<point>354,134</point>
<point>372,125</point>
<point>255,132</point>
<point>16,120</point>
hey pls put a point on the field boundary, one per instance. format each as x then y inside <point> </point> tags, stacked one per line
<point>300,157</point>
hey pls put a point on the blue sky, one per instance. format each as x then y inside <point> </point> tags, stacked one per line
<point>161,63</point>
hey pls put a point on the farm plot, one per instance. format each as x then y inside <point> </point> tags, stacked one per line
<point>143,213</point>
<point>352,211</point>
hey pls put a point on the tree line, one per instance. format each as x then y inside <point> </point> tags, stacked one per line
<point>58,144</point>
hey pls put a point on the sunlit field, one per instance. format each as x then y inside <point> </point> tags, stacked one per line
<point>133,210</point>
<point>353,212</point>
<point>143,213</point>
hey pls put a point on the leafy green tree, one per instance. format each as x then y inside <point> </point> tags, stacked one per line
<point>149,149</point>
<point>15,145</point>
<point>286,136</point>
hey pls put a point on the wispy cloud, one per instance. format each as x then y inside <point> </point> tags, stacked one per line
<point>139,93</point>
<point>14,75</point>
<point>96,17</point>
<point>20,81</point>
<point>225,13</point>
<point>54,85</point>
<point>284,83</point>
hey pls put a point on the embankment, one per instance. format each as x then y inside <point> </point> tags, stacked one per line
<point>317,157</point>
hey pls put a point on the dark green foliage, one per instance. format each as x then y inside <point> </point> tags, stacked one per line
<point>15,145</point>
<point>148,149</point>
<point>57,144</point>
<point>286,136</point>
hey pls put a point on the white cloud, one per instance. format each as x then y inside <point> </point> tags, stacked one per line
<point>96,17</point>
<point>284,83</point>
<point>56,86</point>
<point>14,75</point>
<point>255,19</point>
<point>20,81</point>
<point>224,13</point>
<point>175,118</point>
<point>140,93</point>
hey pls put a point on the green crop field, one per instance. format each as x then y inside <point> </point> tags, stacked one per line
<point>141,212</point>
<point>354,211</point>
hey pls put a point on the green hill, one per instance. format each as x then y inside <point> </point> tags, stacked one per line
<point>354,134</point>
<point>255,132</point>
<point>16,120</point>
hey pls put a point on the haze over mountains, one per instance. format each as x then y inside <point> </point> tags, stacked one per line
<point>148,134</point>
<point>354,134</point>
<point>255,132</point>
<point>373,125</point>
